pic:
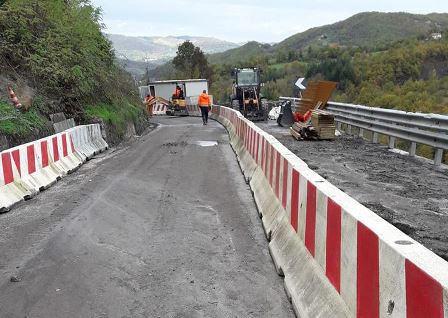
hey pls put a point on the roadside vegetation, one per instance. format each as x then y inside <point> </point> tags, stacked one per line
<point>57,59</point>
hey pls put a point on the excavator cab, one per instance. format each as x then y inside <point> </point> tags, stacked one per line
<point>246,95</point>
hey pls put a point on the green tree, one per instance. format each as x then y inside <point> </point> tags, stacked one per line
<point>191,62</point>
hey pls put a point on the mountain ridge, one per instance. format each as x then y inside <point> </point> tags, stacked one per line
<point>159,49</point>
<point>365,29</point>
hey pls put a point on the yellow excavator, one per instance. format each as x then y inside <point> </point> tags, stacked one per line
<point>178,104</point>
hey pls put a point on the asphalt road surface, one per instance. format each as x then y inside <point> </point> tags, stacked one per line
<point>164,227</point>
<point>407,192</point>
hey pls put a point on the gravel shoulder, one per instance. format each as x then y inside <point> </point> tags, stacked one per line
<point>407,192</point>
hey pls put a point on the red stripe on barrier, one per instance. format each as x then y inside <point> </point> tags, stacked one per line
<point>263,153</point>
<point>295,199</point>
<point>271,166</point>
<point>249,140</point>
<point>424,295</point>
<point>249,133</point>
<point>8,176</point>
<point>310,228</point>
<point>253,143</point>
<point>251,136</point>
<point>31,159</point>
<point>367,273</point>
<point>333,253</point>
<point>16,157</point>
<point>55,149</point>
<point>245,137</point>
<point>256,148</point>
<point>266,157</point>
<point>285,183</point>
<point>64,145</point>
<point>44,153</point>
<point>277,176</point>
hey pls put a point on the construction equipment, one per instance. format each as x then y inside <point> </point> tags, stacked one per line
<point>246,95</point>
<point>315,96</point>
<point>178,104</point>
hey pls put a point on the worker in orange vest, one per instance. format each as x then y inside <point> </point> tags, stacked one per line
<point>205,105</point>
<point>149,100</point>
<point>178,93</point>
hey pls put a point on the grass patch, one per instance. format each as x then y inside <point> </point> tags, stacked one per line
<point>116,115</point>
<point>16,123</point>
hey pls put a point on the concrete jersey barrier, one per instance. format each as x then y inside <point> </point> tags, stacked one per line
<point>30,168</point>
<point>338,257</point>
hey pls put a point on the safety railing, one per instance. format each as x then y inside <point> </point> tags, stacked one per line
<point>417,128</point>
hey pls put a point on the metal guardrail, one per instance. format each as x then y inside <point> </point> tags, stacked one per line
<point>427,129</point>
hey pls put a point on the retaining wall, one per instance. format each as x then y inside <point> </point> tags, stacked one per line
<point>27,169</point>
<point>338,257</point>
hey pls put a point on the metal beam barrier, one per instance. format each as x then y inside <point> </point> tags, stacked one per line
<point>427,129</point>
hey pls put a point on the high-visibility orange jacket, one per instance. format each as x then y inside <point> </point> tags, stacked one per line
<point>204,100</point>
<point>177,93</point>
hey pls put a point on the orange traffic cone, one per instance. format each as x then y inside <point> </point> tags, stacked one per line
<point>13,97</point>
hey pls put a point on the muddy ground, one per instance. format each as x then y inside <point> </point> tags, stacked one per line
<point>408,192</point>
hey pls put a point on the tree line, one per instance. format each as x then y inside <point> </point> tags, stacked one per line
<point>410,74</point>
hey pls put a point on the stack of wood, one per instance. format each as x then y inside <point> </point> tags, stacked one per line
<point>322,127</point>
<point>324,124</point>
<point>303,131</point>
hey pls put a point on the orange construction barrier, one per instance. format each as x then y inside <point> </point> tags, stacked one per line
<point>14,99</point>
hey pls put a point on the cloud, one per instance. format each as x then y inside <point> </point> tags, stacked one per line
<point>241,20</point>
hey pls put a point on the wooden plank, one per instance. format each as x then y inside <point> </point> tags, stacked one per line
<point>295,134</point>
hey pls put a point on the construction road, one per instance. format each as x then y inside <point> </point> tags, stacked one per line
<point>164,227</point>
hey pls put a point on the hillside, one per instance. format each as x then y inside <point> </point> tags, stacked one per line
<point>368,29</point>
<point>56,58</point>
<point>135,68</point>
<point>161,49</point>
<point>240,54</point>
<point>373,30</point>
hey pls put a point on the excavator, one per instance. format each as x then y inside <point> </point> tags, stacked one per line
<point>178,104</point>
<point>246,95</point>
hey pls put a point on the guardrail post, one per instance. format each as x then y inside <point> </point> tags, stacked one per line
<point>392,142</point>
<point>438,157</point>
<point>412,149</point>
<point>375,137</point>
<point>361,132</point>
<point>349,129</point>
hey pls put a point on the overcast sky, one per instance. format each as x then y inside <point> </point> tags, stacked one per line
<point>242,20</point>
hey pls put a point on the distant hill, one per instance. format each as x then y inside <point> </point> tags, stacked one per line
<point>136,68</point>
<point>368,29</point>
<point>240,54</point>
<point>160,49</point>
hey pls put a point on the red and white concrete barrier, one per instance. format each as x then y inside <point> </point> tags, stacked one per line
<point>159,109</point>
<point>193,110</point>
<point>339,258</point>
<point>27,169</point>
